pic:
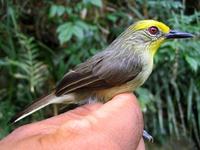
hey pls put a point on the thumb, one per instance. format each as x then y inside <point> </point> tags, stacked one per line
<point>121,119</point>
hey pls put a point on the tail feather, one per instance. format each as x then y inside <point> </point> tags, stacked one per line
<point>35,106</point>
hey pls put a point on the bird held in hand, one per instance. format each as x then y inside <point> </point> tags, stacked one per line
<point>121,67</point>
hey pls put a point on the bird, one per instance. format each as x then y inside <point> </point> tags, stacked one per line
<point>121,67</point>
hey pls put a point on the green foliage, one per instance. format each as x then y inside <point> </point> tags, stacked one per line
<point>97,3</point>
<point>29,68</point>
<point>42,40</point>
<point>67,30</point>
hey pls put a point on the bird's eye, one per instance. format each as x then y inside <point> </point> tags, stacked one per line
<point>153,30</point>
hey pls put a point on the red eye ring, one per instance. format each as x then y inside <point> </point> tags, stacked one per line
<point>153,30</point>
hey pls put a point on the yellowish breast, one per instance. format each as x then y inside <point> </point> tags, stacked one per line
<point>106,94</point>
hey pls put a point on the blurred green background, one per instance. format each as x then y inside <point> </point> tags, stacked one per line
<point>41,40</point>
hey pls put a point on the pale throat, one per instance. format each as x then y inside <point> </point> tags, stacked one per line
<point>155,45</point>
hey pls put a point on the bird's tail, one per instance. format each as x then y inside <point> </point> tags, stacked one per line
<point>39,104</point>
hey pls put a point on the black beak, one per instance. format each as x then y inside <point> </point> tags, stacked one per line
<point>173,34</point>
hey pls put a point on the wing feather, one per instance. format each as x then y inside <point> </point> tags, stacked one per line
<point>101,71</point>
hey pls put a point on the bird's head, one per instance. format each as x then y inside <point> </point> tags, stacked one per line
<point>152,33</point>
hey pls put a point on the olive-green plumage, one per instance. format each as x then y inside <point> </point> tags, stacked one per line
<point>121,67</point>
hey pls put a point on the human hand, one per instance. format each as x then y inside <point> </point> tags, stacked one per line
<point>117,125</point>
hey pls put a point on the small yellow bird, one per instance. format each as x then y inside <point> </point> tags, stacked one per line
<point>121,67</point>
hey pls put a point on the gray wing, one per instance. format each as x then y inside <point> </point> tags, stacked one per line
<point>101,71</point>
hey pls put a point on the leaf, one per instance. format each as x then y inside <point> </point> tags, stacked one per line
<point>65,36</point>
<point>112,17</point>
<point>144,94</point>
<point>62,27</point>
<point>57,10</point>
<point>20,76</point>
<point>22,66</point>
<point>3,62</point>
<point>65,32</point>
<point>97,3</point>
<point>60,10</point>
<point>78,32</point>
<point>192,62</point>
<point>28,66</point>
<point>53,11</point>
<point>68,10</point>
<point>82,24</point>
<point>145,97</point>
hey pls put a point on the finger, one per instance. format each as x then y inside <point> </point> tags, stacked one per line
<point>121,118</point>
<point>51,124</point>
<point>141,145</point>
<point>76,113</point>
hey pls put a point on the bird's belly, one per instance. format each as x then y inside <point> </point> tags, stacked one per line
<point>107,94</point>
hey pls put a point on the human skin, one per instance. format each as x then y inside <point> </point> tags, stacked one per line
<point>116,125</point>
